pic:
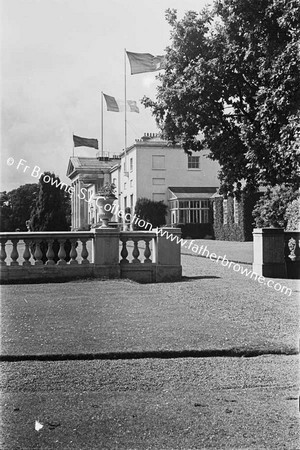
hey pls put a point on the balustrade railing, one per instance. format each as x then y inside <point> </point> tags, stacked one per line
<point>143,243</point>
<point>99,253</point>
<point>44,249</point>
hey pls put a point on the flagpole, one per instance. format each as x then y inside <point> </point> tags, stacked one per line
<point>102,124</point>
<point>125,124</point>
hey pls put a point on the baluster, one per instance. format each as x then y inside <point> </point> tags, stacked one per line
<point>73,252</point>
<point>61,252</point>
<point>135,252</point>
<point>38,255</point>
<point>147,252</point>
<point>3,254</point>
<point>14,253</point>
<point>124,251</point>
<point>50,253</point>
<point>84,252</point>
<point>26,253</point>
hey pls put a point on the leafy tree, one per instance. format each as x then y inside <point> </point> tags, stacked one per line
<point>16,207</point>
<point>274,207</point>
<point>231,84</point>
<point>150,211</point>
<point>52,209</point>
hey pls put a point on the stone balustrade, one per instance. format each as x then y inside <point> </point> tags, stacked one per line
<point>101,253</point>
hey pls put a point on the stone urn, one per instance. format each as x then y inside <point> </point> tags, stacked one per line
<point>104,202</point>
<point>105,206</point>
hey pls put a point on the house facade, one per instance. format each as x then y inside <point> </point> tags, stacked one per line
<point>152,169</point>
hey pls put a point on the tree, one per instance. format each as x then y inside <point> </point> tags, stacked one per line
<point>16,207</point>
<point>52,209</point>
<point>231,84</point>
<point>151,212</point>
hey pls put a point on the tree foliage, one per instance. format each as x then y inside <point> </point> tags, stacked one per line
<point>231,84</point>
<point>274,207</point>
<point>16,207</point>
<point>151,211</point>
<point>52,209</point>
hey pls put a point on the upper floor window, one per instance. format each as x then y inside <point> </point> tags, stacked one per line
<point>193,162</point>
<point>131,164</point>
<point>158,162</point>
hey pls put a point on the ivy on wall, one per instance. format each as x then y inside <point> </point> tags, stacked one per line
<point>231,231</point>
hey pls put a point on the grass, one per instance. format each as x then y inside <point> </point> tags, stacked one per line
<point>212,308</point>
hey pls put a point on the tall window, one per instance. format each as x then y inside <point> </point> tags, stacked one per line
<point>236,210</point>
<point>225,212</point>
<point>131,164</point>
<point>193,162</point>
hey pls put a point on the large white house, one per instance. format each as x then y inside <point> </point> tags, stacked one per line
<point>149,168</point>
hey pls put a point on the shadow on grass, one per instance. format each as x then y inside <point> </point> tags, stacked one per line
<point>209,277</point>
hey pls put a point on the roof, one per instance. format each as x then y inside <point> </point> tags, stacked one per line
<point>192,192</point>
<point>85,165</point>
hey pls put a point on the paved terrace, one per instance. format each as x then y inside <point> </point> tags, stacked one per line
<point>151,374</point>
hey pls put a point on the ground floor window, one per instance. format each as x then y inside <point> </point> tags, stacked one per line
<point>189,211</point>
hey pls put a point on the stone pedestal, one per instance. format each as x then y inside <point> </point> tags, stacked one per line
<point>168,256</point>
<point>268,252</point>
<point>106,252</point>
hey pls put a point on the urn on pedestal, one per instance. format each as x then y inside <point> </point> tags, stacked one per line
<point>104,201</point>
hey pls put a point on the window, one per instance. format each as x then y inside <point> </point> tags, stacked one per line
<point>236,210</point>
<point>131,202</point>
<point>156,181</point>
<point>125,203</point>
<point>189,211</point>
<point>193,162</point>
<point>125,185</point>
<point>131,183</point>
<point>131,164</point>
<point>124,167</point>
<point>114,181</point>
<point>158,197</point>
<point>225,212</point>
<point>158,162</point>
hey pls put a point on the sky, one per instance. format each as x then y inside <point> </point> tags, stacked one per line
<point>56,58</point>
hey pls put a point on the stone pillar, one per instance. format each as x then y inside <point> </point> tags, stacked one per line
<point>106,252</point>
<point>167,256</point>
<point>268,252</point>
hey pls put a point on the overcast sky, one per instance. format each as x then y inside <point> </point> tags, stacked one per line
<point>56,58</point>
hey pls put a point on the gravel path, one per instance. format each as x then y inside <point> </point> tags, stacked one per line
<point>220,403</point>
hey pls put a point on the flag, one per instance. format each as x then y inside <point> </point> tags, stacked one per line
<point>80,141</point>
<point>144,62</point>
<point>116,105</point>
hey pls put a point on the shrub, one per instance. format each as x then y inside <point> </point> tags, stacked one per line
<point>270,210</point>
<point>150,211</point>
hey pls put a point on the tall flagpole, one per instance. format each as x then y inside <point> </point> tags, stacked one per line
<point>101,124</point>
<point>125,124</point>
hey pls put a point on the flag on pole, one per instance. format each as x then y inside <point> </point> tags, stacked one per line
<point>85,142</point>
<point>117,105</point>
<point>144,62</point>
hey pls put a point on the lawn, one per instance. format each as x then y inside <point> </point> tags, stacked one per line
<point>211,308</point>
